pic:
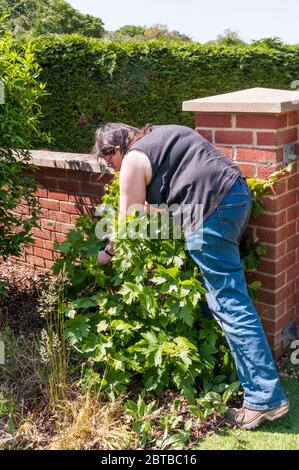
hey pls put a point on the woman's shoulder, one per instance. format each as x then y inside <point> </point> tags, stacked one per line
<point>139,161</point>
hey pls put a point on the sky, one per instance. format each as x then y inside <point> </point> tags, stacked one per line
<point>202,20</point>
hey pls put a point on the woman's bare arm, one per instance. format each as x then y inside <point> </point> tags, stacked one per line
<point>134,175</point>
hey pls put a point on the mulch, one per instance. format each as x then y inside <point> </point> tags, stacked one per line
<point>19,310</point>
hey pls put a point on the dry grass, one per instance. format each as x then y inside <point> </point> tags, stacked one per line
<point>31,420</point>
<point>41,407</point>
<point>24,376</point>
<point>82,423</point>
<point>89,423</point>
<point>23,389</point>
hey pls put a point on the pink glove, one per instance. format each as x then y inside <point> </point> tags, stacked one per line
<point>104,258</point>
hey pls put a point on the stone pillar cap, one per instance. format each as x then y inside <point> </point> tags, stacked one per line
<point>252,100</point>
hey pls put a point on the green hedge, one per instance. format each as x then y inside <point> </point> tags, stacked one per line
<point>91,81</point>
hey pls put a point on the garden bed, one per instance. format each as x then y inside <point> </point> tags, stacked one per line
<point>28,419</point>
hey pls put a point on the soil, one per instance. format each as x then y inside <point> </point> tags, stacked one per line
<point>19,310</point>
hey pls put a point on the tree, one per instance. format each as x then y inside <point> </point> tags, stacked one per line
<point>19,117</point>
<point>272,42</point>
<point>228,38</point>
<point>161,31</point>
<point>49,17</point>
<point>132,31</point>
<point>143,33</point>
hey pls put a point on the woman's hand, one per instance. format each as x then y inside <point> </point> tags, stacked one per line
<point>104,258</point>
<point>147,207</point>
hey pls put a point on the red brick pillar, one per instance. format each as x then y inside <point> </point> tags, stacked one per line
<point>255,128</point>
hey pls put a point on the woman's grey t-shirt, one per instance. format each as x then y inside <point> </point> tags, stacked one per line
<point>187,171</point>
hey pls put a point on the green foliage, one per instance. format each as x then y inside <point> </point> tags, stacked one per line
<point>142,33</point>
<point>131,30</point>
<point>175,425</point>
<point>260,187</point>
<point>214,401</point>
<point>49,17</point>
<point>272,42</point>
<point>19,118</point>
<point>3,289</point>
<point>229,38</point>
<point>53,352</point>
<point>91,82</point>
<point>141,414</point>
<point>126,33</point>
<point>140,315</point>
<point>161,31</point>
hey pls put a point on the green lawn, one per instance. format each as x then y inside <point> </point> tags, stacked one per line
<point>282,434</point>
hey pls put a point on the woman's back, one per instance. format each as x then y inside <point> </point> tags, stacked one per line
<point>186,170</point>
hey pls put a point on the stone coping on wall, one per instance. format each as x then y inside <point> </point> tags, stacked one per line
<point>252,100</point>
<point>70,161</point>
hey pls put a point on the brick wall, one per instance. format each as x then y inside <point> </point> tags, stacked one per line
<point>264,134</point>
<point>278,230</point>
<point>256,142</point>
<point>73,185</point>
<point>66,194</point>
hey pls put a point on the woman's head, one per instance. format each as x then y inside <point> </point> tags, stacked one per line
<point>113,141</point>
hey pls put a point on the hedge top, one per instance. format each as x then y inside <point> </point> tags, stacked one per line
<point>252,100</point>
<point>91,82</point>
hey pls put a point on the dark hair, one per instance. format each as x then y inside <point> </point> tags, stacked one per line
<point>110,135</point>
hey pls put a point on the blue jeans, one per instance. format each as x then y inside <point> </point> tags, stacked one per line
<point>228,299</point>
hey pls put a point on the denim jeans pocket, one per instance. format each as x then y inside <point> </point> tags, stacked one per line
<point>237,200</point>
<point>234,216</point>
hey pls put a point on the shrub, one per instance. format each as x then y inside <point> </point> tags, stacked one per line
<point>91,81</point>
<point>19,117</point>
<point>49,17</point>
<point>141,315</point>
